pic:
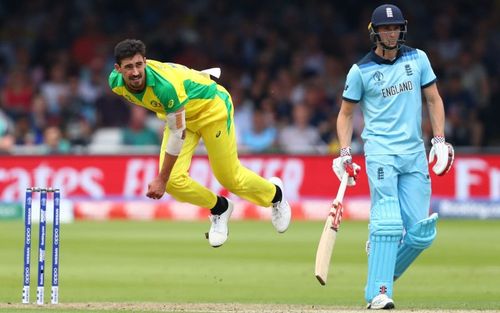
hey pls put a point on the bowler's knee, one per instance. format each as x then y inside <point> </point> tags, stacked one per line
<point>230,183</point>
<point>176,184</point>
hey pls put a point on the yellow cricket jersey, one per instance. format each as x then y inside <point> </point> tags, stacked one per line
<point>170,86</point>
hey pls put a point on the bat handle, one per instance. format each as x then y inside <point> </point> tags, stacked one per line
<point>342,188</point>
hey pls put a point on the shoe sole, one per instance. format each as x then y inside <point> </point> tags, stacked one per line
<point>206,237</point>
<point>387,306</point>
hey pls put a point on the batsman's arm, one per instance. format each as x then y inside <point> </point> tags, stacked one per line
<point>344,123</point>
<point>440,149</point>
<point>344,133</point>
<point>436,109</point>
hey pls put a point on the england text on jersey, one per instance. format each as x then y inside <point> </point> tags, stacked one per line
<point>396,89</point>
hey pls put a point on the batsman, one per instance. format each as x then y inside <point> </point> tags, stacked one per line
<point>194,107</point>
<point>388,83</point>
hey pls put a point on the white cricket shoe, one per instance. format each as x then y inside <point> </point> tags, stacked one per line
<point>381,302</point>
<point>281,213</point>
<point>218,231</point>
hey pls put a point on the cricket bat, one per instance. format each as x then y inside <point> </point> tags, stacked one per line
<point>327,240</point>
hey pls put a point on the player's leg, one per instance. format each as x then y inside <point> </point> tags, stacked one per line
<point>385,231</point>
<point>180,185</point>
<point>414,198</point>
<point>184,189</point>
<point>220,140</point>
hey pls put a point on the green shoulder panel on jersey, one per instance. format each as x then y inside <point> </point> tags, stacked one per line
<point>165,91</point>
<point>115,80</point>
<point>196,90</point>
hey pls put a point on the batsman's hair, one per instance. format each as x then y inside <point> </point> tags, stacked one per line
<point>128,48</point>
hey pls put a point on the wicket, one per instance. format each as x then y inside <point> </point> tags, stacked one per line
<point>41,245</point>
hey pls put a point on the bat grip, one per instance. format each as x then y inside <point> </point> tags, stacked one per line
<point>342,187</point>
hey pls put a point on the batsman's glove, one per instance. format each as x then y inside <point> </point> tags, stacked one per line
<point>444,153</point>
<point>344,163</point>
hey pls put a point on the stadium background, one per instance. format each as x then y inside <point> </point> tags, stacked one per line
<point>276,56</point>
<point>284,62</point>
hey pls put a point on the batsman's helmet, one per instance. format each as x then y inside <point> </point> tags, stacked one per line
<point>387,14</point>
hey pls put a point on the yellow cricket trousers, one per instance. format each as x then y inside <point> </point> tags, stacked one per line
<point>220,142</point>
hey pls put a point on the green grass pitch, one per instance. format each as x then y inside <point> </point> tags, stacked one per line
<point>172,262</point>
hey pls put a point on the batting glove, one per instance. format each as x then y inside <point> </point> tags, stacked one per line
<point>344,163</point>
<point>444,153</point>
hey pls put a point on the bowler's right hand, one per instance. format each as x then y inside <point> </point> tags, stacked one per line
<point>344,163</point>
<point>156,188</point>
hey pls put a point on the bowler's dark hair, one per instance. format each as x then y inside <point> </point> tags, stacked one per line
<point>128,48</point>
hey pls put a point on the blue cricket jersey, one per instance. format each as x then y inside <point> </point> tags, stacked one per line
<point>390,96</point>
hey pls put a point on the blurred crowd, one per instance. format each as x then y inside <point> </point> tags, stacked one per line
<point>284,63</point>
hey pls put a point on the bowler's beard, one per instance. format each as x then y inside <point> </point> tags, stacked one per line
<point>136,85</point>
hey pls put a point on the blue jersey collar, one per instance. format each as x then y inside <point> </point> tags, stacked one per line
<point>379,60</point>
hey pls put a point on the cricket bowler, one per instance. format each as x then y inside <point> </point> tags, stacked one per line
<point>194,107</point>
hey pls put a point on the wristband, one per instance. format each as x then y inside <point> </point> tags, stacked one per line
<point>345,151</point>
<point>438,139</point>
